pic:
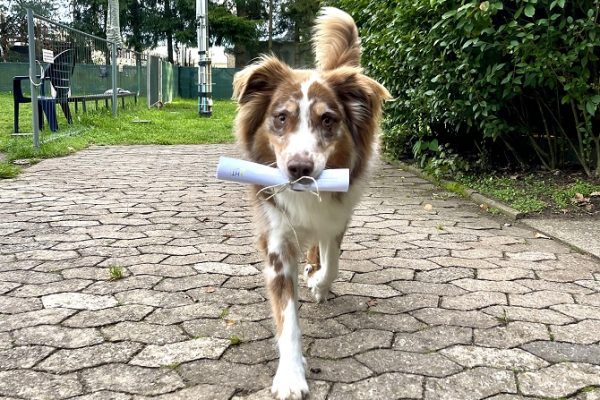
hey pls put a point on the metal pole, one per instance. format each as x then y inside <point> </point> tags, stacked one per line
<point>115,70</point>
<point>32,83</point>
<point>204,75</point>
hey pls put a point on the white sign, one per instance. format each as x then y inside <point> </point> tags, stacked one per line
<point>48,56</point>
<point>120,67</point>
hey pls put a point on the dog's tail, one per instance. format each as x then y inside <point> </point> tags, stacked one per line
<point>335,40</point>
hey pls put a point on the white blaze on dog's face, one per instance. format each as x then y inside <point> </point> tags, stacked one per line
<point>305,128</point>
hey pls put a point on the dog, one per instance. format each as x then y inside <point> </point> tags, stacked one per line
<point>305,121</point>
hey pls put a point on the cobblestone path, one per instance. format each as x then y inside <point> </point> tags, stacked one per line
<point>435,299</point>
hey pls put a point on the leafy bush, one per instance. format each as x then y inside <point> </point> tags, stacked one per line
<point>510,82</point>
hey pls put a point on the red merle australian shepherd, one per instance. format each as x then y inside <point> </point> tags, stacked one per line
<point>305,121</point>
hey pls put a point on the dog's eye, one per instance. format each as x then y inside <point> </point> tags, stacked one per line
<point>281,118</point>
<point>327,121</point>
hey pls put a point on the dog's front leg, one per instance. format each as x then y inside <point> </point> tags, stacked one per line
<point>281,274</point>
<point>319,281</point>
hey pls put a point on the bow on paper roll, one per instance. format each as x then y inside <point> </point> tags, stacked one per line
<point>231,169</point>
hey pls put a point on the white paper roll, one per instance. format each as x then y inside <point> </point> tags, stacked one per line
<point>231,169</point>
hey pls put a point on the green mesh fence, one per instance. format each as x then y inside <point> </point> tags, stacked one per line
<point>93,78</point>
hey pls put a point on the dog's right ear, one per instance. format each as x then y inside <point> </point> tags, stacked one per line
<point>259,80</point>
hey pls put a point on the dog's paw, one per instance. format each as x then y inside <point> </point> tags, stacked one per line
<point>289,384</point>
<point>319,292</point>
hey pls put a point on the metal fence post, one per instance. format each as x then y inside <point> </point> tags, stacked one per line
<point>32,78</point>
<point>115,71</point>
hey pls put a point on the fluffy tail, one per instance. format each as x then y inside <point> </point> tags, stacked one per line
<point>335,40</point>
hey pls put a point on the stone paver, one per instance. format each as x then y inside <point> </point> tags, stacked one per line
<point>446,303</point>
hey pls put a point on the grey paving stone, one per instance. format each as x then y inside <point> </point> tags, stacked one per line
<point>333,308</point>
<point>511,334</point>
<point>103,395</point>
<point>33,318</point>
<point>566,287</point>
<point>490,286</point>
<point>6,287</point>
<point>225,269</point>
<point>473,300</point>
<point>70,360</point>
<point>256,352</point>
<point>504,274</point>
<point>213,372</point>
<point>78,301</point>
<point>225,328</point>
<point>171,271</point>
<point>153,298</point>
<point>368,320</point>
<point>384,386</point>
<point>557,352</point>
<point>401,304</point>
<point>431,364</point>
<point>363,289</point>
<point>144,332</point>
<point>464,263</point>
<point>404,263</point>
<point>470,319</point>
<point>437,289</point>
<point>444,275</point>
<point>225,296</point>
<point>578,311</point>
<point>541,299</point>
<point>190,282</point>
<point>131,379</point>
<point>384,276</point>
<point>57,336</point>
<point>531,256</point>
<point>66,285</point>
<point>23,356</point>
<point>513,313</point>
<point>318,391</point>
<point>583,332</point>
<point>89,318</point>
<point>473,384</point>
<point>559,380</point>
<point>5,341</point>
<point>38,385</point>
<point>198,392</point>
<point>15,305</point>
<point>432,338</point>
<point>121,285</point>
<point>350,344</point>
<point>346,370</point>
<point>174,315</point>
<point>180,352</point>
<point>511,359</point>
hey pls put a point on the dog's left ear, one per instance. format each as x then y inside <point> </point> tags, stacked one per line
<point>259,80</point>
<point>362,98</point>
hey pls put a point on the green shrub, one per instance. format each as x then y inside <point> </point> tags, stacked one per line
<point>511,82</point>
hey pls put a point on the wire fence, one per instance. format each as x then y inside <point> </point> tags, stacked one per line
<point>72,72</point>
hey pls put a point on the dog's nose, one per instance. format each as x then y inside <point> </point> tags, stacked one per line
<point>299,167</point>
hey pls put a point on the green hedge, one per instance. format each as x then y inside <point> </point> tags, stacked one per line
<point>497,82</point>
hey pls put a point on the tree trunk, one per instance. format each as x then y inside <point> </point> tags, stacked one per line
<point>270,26</point>
<point>169,32</point>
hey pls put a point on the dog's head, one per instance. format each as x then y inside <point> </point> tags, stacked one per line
<point>307,120</point>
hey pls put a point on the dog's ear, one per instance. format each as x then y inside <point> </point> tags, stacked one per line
<point>259,80</point>
<point>362,98</point>
<point>253,88</point>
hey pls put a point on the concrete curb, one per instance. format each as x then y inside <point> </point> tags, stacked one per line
<point>470,194</point>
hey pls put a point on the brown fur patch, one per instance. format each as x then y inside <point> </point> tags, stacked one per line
<point>281,291</point>
<point>314,259</point>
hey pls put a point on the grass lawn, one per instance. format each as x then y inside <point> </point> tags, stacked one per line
<point>561,193</point>
<point>175,123</point>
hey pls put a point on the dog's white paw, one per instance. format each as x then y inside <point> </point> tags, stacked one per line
<point>319,292</point>
<point>289,384</point>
